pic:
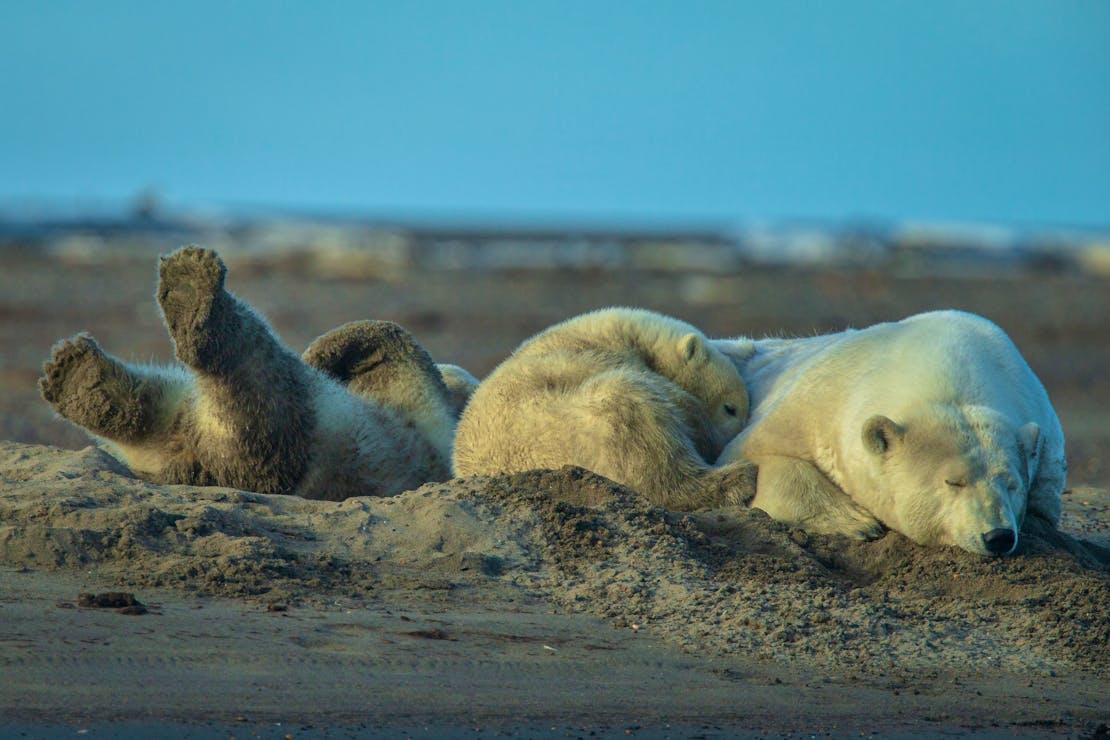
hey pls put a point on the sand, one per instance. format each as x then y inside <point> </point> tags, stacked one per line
<point>550,596</point>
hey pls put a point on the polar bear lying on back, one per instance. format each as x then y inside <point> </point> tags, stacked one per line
<point>364,412</point>
<point>933,426</point>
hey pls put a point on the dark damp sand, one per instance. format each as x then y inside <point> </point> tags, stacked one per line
<point>546,603</point>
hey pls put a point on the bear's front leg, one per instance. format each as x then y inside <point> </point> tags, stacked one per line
<point>793,491</point>
<point>102,394</point>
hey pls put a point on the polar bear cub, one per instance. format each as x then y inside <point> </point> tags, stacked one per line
<point>641,398</point>
<point>366,412</point>
<point>933,426</point>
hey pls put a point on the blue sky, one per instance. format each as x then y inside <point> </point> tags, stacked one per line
<point>968,111</point>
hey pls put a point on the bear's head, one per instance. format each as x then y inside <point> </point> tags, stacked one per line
<point>952,476</point>
<point>707,374</point>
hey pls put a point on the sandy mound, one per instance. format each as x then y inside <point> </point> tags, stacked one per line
<point>714,582</point>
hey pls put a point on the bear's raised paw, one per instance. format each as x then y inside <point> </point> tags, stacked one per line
<point>74,365</point>
<point>193,301</point>
<point>82,383</point>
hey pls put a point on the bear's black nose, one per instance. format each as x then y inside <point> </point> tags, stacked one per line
<point>999,541</point>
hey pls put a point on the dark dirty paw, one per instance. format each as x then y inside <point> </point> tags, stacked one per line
<point>82,383</point>
<point>739,483</point>
<point>193,301</point>
<point>74,366</point>
<point>732,484</point>
<point>360,348</point>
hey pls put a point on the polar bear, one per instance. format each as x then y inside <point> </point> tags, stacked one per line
<point>641,398</point>
<point>933,426</point>
<point>243,411</point>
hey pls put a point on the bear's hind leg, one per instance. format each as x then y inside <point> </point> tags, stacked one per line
<point>106,396</point>
<point>793,491</point>
<point>253,413</point>
<point>361,355</point>
<point>370,357</point>
<point>213,332</point>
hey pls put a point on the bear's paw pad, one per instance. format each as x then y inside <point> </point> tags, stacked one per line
<point>75,365</point>
<point>188,282</point>
<point>191,294</point>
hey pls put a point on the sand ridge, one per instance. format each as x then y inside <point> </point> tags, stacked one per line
<point>725,582</point>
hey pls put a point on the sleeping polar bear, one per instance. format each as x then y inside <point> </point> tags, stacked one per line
<point>636,396</point>
<point>933,426</point>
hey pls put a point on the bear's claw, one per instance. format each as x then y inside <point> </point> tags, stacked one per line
<point>860,525</point>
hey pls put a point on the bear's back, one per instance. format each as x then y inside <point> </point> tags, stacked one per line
<point>609,330</point>
<point>554,398</point>
<point>956,357</point>
<point>839,380</point>
<point>938,357</point>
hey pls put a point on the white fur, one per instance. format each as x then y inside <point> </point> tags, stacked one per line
<point>150,455</point>
<point>973,442</point>
<point>366,447</point>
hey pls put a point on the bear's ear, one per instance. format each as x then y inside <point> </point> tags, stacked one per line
<point>880,434</point>
<point>691,348</point>
<point>1029,437</point>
